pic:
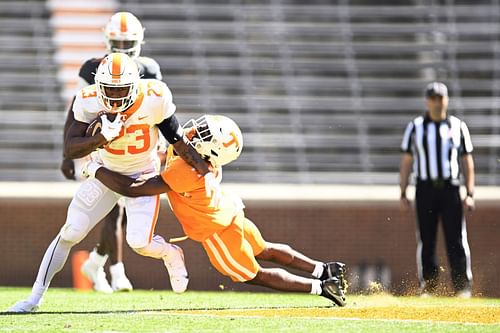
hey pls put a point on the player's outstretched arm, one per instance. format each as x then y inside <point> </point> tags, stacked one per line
<point>191,156</point>
<point>128,186</point>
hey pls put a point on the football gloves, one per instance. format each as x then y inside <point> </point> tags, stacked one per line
<point>90,168</point>
<point>111,129</point>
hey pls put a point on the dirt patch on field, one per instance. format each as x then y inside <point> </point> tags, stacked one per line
<point>456,314</point>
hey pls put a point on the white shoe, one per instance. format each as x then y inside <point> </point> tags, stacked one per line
<point>176,267</point>
<point>425,295</point>
<point>119,281</point>
<point>466,293</point>
<point>24,306</point>
<point>97,276</point>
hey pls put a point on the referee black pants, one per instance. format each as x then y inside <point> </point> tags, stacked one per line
<point>435,202</point>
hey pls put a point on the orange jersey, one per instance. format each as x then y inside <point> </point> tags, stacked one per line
<point>190,204</point>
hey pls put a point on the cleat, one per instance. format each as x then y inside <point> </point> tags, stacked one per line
<point>24,306</point>
<point>119,281</point>
<point>335,270</point>
<point>97,276</point>
<point>332,289</point>
<point>332,269</point>
<point>176,268</point>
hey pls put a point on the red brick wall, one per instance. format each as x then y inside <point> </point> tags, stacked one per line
<point>352,232</point>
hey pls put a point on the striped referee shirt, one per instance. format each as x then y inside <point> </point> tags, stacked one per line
<point>436,147</point>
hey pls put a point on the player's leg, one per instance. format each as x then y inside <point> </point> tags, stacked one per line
<point>108,241</point>
<point>457,246</point>
<point>142,214</point>
<point>285,255</point>
<point>119,280</point>
<point>331,274</point>
<point>91,202</point>
<point>427,211</point>
<point>93,267</point>
<point>231,252</point>
<point>110,246</point>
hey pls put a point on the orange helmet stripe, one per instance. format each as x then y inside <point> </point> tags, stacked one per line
<point>123,22</point>
<point>117,65</point>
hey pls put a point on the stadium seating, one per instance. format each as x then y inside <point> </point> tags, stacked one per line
<point>322,89</point>
<point>30,103</point>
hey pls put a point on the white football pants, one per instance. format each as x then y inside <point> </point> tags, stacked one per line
<point>91,203</point>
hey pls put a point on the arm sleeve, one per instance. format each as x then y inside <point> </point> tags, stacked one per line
<point>84,108</point>
<point>77,108</point>
<point>407,139</point>
<point>466,141</point>
<point>171,129</point>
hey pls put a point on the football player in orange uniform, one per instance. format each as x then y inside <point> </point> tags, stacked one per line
<point>143,108</point>
<point>123,34</point>
<point>233,242</point>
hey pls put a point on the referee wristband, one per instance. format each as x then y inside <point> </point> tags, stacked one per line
<point>470,194</point>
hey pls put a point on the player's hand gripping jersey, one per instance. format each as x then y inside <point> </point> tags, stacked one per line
<point>135,149</point>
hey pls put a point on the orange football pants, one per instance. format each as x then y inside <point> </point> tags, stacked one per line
<point>232,251</point>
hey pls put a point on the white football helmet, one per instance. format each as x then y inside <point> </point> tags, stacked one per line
<point>124,34</point>
<point>217,138</point>
<point>117,82</point>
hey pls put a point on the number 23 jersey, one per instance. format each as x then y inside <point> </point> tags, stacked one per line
<point>135,149</point>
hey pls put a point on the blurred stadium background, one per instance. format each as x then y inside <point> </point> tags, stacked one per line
<point>322,90</point>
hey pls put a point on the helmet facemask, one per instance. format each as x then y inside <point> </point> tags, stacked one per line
<point>132,48</point>
<point>117,98</point>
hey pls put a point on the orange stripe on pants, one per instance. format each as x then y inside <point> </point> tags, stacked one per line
<point>155,218</point>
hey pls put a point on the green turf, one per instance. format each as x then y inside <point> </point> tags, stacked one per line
<point>65,310</point>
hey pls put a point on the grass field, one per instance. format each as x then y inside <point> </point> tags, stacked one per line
<point>65,310</point>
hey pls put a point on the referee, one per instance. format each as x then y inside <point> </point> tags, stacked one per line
<point>439,148</point>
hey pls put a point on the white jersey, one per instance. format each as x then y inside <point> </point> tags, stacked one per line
<point>134,151</point>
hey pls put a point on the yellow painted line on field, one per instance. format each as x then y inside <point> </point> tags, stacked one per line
<point>452,314</point>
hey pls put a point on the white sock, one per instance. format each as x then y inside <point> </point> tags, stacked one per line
<point>316,287</point>
<point>318,270</point>
<point>117,270</point>
<point>157,248</point>
<point>53,261</point>
<point>97,259</point>
<point>37,293</point>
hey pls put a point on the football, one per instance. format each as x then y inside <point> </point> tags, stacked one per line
<point>95,125</point>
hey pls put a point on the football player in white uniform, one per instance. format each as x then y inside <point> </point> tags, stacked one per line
<point>143,107</point>
<point>123,34</point>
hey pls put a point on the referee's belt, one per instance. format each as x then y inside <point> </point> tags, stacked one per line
<point>436,183</point>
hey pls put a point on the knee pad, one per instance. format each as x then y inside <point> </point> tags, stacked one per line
<point>76,227</point>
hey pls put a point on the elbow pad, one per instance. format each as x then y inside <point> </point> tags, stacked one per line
<point>171,129</point>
